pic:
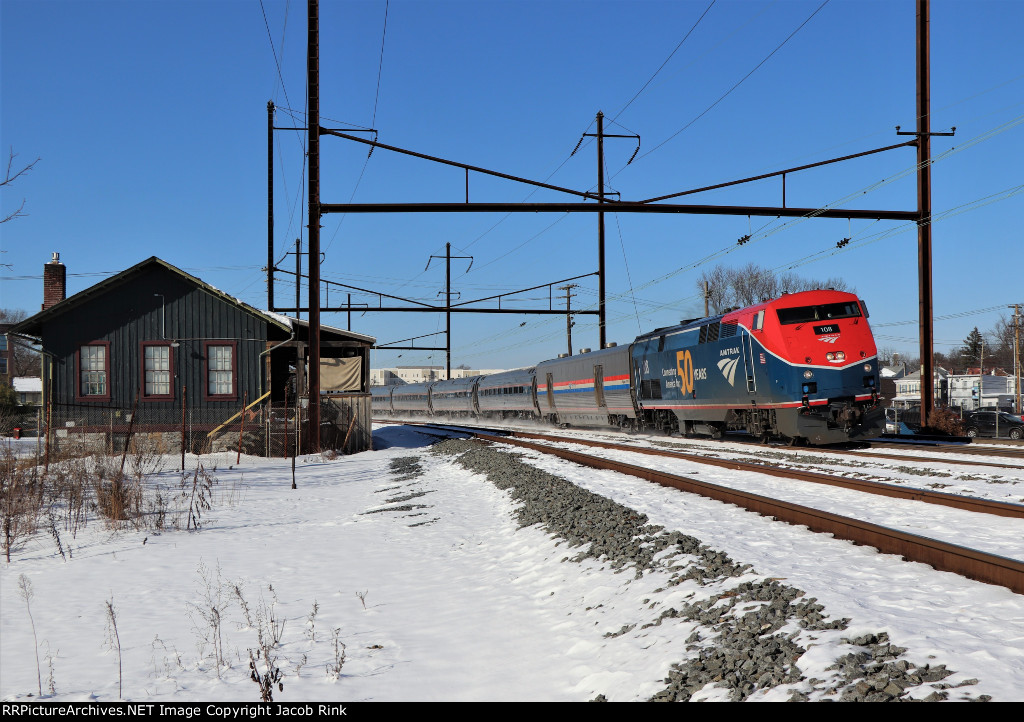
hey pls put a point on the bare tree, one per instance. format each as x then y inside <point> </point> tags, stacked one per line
<point>716,286</point>
<point>752,284</point>
<point>1000,342</point>
<point>24,361</point>
<point>12,175</point>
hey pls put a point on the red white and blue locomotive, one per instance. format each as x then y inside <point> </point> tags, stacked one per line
<point>801,367</point>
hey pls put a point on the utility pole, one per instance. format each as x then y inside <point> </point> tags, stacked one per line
<point>568,315</point>
<point>298,279</point>
<point>448,298</point>
<point>1016,356</point>
<point>707,296</point>
<point>981,374</point>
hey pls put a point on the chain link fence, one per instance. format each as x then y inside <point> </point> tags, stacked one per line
<point>198,436</point>
<point>207,437</point>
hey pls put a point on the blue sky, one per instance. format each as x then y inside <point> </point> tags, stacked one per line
<point>149,119</point>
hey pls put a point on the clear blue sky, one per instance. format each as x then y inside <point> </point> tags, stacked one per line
<point>149,119</point>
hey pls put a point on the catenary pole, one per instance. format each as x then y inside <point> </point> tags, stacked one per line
<point>270,205</point>
<point>600,232</point>
<point>924,209</point>
<point>313,133</point>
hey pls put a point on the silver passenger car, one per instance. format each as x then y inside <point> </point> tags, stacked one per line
<point>589,389</point>
<point>454,397</point>
<point>411,399</point>
<point>511,394</point>
<point>380,399</point>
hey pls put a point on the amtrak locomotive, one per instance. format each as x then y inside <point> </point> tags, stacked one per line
<point>802,367</point>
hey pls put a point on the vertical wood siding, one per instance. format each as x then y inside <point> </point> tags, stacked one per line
<point>130,313</point>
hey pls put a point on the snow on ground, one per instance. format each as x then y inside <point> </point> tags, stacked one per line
<point>441,598</point>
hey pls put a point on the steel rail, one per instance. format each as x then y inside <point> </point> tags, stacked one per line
<point>931,459</point>
<point>955,501</point>
<point>943,449</point>
<point>970,563</point>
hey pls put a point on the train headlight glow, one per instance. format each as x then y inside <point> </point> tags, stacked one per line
<point>867,367</point>
<point>808,374</point>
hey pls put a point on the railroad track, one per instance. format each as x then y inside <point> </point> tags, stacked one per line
<point>896,457</point>
<point>956,501</point>
<point>970,563</point>
<point>1013,451</point>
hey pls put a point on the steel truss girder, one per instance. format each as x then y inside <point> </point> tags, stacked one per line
<point>620,207</point>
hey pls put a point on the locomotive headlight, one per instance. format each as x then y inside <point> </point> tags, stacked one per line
<point>867,367</point>
<point>808,374</point>
<point>840,355</point>
<point>830,356</point>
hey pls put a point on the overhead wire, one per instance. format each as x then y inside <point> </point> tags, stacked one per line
<point>373,124</point>
<point>613,119</point>
<point>738,83</point>
<point>662,66</point>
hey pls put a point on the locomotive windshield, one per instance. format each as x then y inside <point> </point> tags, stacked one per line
<point>804,314</point>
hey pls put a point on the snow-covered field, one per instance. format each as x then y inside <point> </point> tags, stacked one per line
<point>440,596</point>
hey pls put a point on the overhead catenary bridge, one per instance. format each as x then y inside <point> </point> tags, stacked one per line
<point>620,207</point>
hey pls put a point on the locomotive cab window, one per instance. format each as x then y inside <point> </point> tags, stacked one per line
<point>830,311</point>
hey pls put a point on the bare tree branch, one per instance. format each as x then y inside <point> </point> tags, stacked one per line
<point>12,175</point>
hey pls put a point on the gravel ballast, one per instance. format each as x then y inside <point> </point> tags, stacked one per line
<point>751,630</point>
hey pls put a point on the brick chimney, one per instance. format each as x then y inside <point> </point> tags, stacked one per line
<point>54,282</point>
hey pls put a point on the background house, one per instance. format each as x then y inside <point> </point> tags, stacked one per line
<point>908,389</point>
<point>158,350</point>
<point>6,362</point>
<point>29,390</point>
<point>974,390</point>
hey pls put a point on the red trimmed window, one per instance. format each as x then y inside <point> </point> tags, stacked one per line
<point>93,372</point>
<point>221,370</point>
<point>157,371</point>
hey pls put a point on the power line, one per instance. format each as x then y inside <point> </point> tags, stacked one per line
<point>273,50</point>
<point>740,82</point>
<point>380,65</point>
<point>649,80</point>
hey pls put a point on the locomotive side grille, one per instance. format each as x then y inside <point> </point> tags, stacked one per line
<point>650,389</point>
<point>709,333</point>
<point>727,330</point>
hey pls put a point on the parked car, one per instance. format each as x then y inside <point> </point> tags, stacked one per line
<point>903,421</point>
<point>986,423</point>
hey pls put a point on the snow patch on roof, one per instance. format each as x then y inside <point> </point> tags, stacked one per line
<point>28,385</point>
